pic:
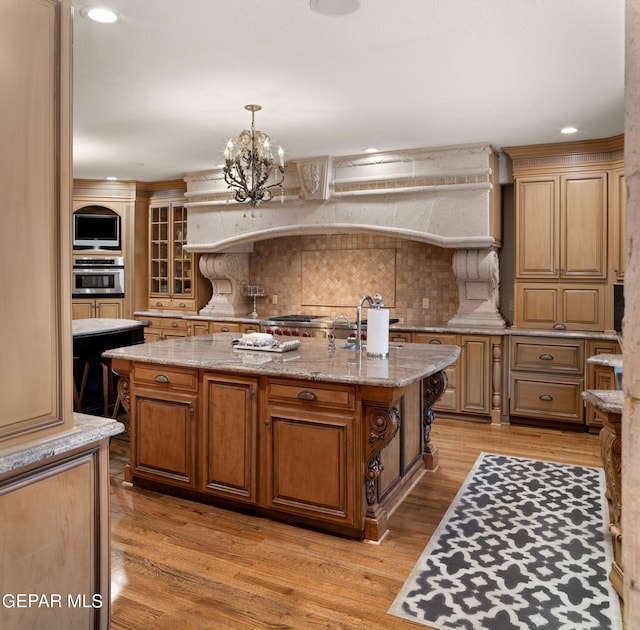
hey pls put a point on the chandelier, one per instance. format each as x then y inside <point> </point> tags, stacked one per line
<point>250,172</point>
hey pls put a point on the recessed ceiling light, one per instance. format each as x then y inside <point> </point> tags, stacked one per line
<point>100,14</point>
<point>111,178</point>
<point>334,8</point>
<point>568,130</point>
<point>371,150</point>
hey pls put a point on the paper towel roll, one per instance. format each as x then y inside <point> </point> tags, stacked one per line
<point>378,331</point>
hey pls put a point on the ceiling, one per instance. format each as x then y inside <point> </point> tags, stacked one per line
<point>158,93</point>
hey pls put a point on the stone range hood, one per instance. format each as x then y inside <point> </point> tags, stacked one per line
<point>445,196</point>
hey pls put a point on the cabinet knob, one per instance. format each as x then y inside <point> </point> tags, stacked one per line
<point>192,410</point>
<point>252,392</point>
<point>267,423</point>
<point>174,324</point>
<point>546,397</point>
<point>225,329</point>
<point>546,357</point>
<point>158,303</point>
<point>182,305</point>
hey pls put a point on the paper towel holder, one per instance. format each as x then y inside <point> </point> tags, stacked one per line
<point>377,303</point>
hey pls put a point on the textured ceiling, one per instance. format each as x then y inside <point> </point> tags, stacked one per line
<point>158,93</point>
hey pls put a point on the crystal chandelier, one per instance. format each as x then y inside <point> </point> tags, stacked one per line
<point>248,172</point>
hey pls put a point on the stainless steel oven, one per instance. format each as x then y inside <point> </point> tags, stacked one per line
<point>98,277</point>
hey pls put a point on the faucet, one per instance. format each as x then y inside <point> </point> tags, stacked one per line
<point>375,301</point>
<point>332,336</point>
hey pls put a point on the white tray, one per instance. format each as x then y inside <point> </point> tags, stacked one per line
<point>280,346</point>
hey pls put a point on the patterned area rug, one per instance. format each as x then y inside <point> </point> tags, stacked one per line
<point>524,546</point>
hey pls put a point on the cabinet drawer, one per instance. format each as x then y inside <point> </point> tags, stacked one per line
<point>183,304</point>
<point>449,340</point>
<point>559,399</point>
<point>166,377</point>
<point>311,394</point>
<point>548,355</point>
<point>217,327</point>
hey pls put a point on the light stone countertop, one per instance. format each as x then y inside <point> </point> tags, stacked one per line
<point>610,360</point>
<point>406,363</point>
<point>87,430</point>
<point>100,325</point>
<point>607,400</point>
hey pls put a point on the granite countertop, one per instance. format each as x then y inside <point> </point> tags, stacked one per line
<point>87,429</point>
<point>607,400</point>
<point>100,325</point>
<point>406,363</point>
<point>610,360</point>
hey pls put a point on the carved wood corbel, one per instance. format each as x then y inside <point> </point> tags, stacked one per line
<point>432,388</point>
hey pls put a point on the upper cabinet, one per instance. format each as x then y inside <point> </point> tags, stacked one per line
<point>568,233</point>
<point>174,279</point>
<point>561,226</point>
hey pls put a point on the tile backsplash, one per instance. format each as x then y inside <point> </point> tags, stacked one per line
<point>327,275</point>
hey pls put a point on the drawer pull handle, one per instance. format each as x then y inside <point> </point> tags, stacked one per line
<point>305,394</point>
<point>174,324</point>
<point>161,378</point>
<point>225,329</point>
<point>545,397</point>
<point>182,305</point>
<point>560,327</point>
<point>436,341</point>
<point>158,303</point>
<point>546,357</point>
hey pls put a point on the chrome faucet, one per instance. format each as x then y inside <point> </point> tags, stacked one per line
<point>332,336</point>
<point>375,301</point>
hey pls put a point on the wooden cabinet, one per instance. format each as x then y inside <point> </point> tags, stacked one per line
<point>159,328</point>
<point>469,378</point>
<point>88,308</point>
<point>599,377</point>
<point>175,282</point>
<point>218,327</point>
<point>617,222</point>
<point>561,226</point>
<point>547,380</point>
<point>229,437</point>
<point>309,438</point>
<point>560,306</point>
<point>164,402</point>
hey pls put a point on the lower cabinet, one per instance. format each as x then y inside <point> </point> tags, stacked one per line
<point>159,328</point>
<point>599,377</point>
<point>469,378</point>
<point>89,308</point>
<point>547,380</point>
<point>229,439</point>
<point>164,403</point>
<point>309,451</point>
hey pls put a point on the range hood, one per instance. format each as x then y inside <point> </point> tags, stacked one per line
<point>445,196</point>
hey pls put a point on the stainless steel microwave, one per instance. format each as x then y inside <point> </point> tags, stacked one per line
<point>98,277</point>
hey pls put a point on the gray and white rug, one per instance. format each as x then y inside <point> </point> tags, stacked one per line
<point>524,546</point>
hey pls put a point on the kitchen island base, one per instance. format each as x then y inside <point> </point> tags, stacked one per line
<point>335,454</point>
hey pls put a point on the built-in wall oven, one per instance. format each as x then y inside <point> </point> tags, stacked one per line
<point>98,276</point>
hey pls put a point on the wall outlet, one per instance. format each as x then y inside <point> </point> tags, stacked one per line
<point>274,299</point>
<point>425,302</point>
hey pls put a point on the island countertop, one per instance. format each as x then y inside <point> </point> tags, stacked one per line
<point>313,361</point>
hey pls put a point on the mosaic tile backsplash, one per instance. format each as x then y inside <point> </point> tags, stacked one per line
<point>327,275</point>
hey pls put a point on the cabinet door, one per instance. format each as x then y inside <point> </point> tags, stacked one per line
<point>111,309</point>
<point>228,448</point>
<point>82,309</point>
<point>309,465</point>
<point>182,261</point>
<point>537,227</point>
<point>475,386</point>
<point>583,307</point>
<point>617,220</point>
<point>449,399</point>
<point>556,399</point>
<point>583,226</point>
<point>163,436</point>
<point>159,250</point>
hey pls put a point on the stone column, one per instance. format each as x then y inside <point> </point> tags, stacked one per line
<point>477,272</point>
<point>228,273</point>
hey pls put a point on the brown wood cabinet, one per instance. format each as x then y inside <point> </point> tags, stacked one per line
<point>88,308</point>
<point>229,437</point>
<point>560,306</point>
<point>159,328</point>
<point>617,222</point>
<point>599,377</point>
<point>547,380</point>
<point>164,402</point>
<point>469,378</point>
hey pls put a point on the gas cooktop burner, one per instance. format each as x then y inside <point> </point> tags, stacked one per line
<point>295,318</point>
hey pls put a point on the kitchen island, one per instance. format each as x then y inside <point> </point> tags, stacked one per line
<point>323,438</point>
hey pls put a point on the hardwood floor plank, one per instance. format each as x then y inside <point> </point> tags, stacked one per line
<point>177,563</point>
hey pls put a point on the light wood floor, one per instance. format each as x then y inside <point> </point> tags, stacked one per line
<point>179,564</point>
